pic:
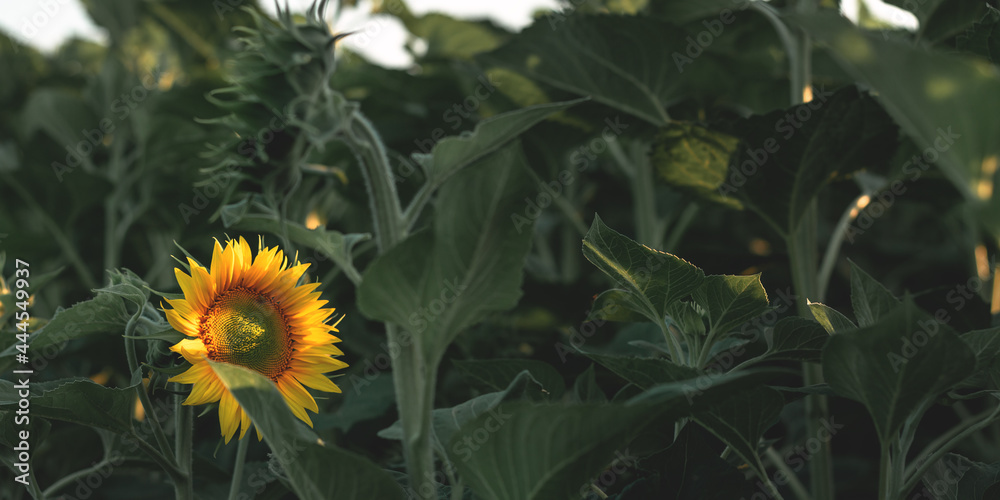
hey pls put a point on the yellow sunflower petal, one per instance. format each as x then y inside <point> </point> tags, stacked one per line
<point>194,374</point>
<point>206,391</point>
<point>295,394</point>
<point>193,350</point>
<point>181,323</point>
<point>315,380</point>
<point>244,422</point>
<point>229,418</point>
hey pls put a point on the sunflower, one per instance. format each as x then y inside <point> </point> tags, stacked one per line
<point>251,312</point>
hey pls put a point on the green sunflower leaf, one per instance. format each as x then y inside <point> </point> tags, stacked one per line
<point>468,264</point>
<point>896,366</point>
<point>76,400</point>
<point>652,280</point>
<point>315,470</point>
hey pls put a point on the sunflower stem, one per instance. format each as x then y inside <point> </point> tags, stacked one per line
<point>387,215</point>
<point>414,378</point>
<point>183,433</point>
<point>241,458</point>
<point>147,407</point>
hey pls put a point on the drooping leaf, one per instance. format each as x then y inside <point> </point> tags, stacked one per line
<point>314,469</point>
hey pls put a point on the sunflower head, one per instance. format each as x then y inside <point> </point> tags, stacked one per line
<point>250,311</point>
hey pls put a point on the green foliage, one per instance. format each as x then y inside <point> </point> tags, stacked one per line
<point>445,204</point>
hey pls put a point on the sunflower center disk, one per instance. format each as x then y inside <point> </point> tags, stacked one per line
<point>245,327</point>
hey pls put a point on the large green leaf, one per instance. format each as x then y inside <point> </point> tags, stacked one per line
<point>76,400</point>
<point>944,102</point>
<point>896,366</point>
<point>451,154</point>
<point>623,62</point>
<point>788,156</point>
<point>694,158</point>
<point>655,279</point>
<point>871,300</point>
<point>498,374</point>
<point>315,470</point>
<point>740,421</point>
<point>543,452</point>
<point>442,280</point>
<point>730,301</point>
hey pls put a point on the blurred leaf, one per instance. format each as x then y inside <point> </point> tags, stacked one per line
<point>871,300</point>
<point>831,320</point>
<point>683,11</point>
<point>694,158</point>
<point>315,470</point>
<point>654,279</point>
<point>498,374</point>
<point>466,266</point>
<point>948,109</point>
<point>896,366</point>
